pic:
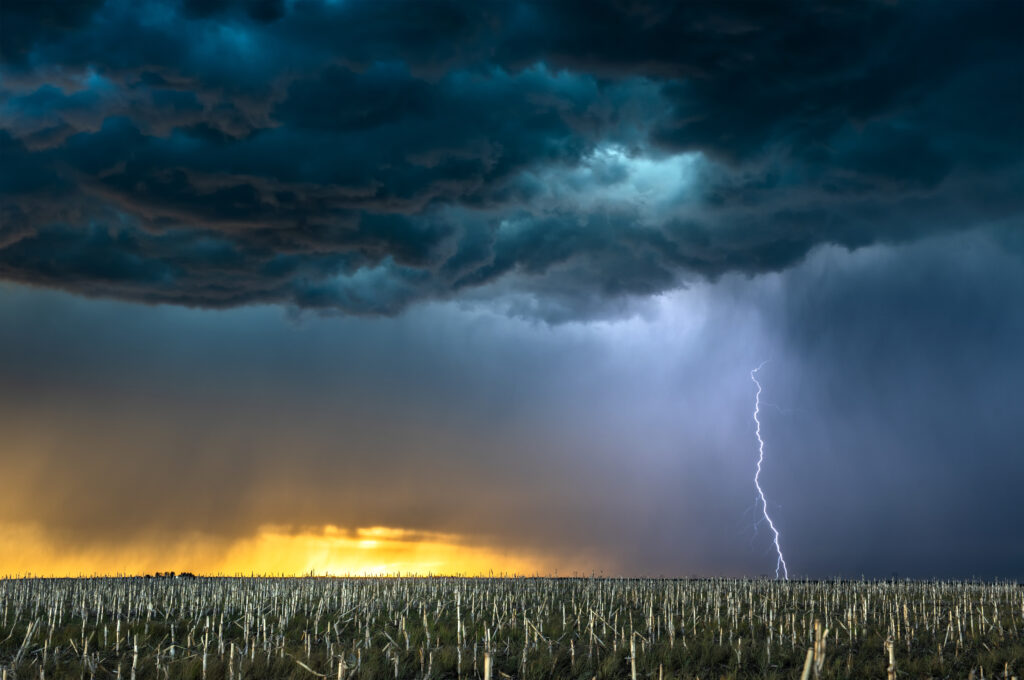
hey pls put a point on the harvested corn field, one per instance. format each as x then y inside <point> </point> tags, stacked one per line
<point>523,628</point>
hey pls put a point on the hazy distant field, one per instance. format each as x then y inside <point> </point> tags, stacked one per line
<point>527,628</point>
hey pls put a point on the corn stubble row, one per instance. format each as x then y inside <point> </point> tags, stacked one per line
<point>501,628</point>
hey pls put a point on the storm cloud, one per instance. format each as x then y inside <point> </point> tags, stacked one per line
<point>492,276</point>
<point>360,157</point>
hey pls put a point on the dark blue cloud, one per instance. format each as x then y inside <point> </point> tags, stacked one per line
<point>437,147</point>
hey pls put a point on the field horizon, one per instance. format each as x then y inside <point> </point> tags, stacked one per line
<point>512,576</point>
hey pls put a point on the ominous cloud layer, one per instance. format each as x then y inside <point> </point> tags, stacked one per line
<point>361,156</point>
<point>687,189</point>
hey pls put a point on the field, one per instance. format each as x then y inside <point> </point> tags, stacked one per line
<point>523,628</point>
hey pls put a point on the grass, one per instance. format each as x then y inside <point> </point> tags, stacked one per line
<point>533,628</point>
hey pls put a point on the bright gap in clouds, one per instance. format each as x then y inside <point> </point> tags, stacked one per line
<point>613,176</point>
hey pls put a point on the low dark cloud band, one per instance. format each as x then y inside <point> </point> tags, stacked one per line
<point>363,156</point>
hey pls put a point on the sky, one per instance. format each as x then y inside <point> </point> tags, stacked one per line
<point>455,287</point>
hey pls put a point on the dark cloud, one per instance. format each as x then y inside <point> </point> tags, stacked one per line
<point>837,186</point>
<point>27,23</point>
<point>259,10</point>
<point>362,156</point>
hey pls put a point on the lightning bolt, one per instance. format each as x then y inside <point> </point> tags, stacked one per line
<point>781,563</point>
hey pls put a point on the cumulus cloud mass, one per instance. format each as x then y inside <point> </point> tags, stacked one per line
<point>359,156</point>
<point>495,274</point>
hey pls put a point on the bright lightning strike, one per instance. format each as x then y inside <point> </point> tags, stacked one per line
<point>781,563</point>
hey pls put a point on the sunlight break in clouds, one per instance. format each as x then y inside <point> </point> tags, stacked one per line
<point>330,550</point>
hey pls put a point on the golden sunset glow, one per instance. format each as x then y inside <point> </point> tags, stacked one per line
<point>366,551</point>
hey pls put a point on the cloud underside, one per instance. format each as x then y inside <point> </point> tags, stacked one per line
<point>360,157</point>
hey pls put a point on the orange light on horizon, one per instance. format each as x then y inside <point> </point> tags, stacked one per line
<point>328,550</point>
